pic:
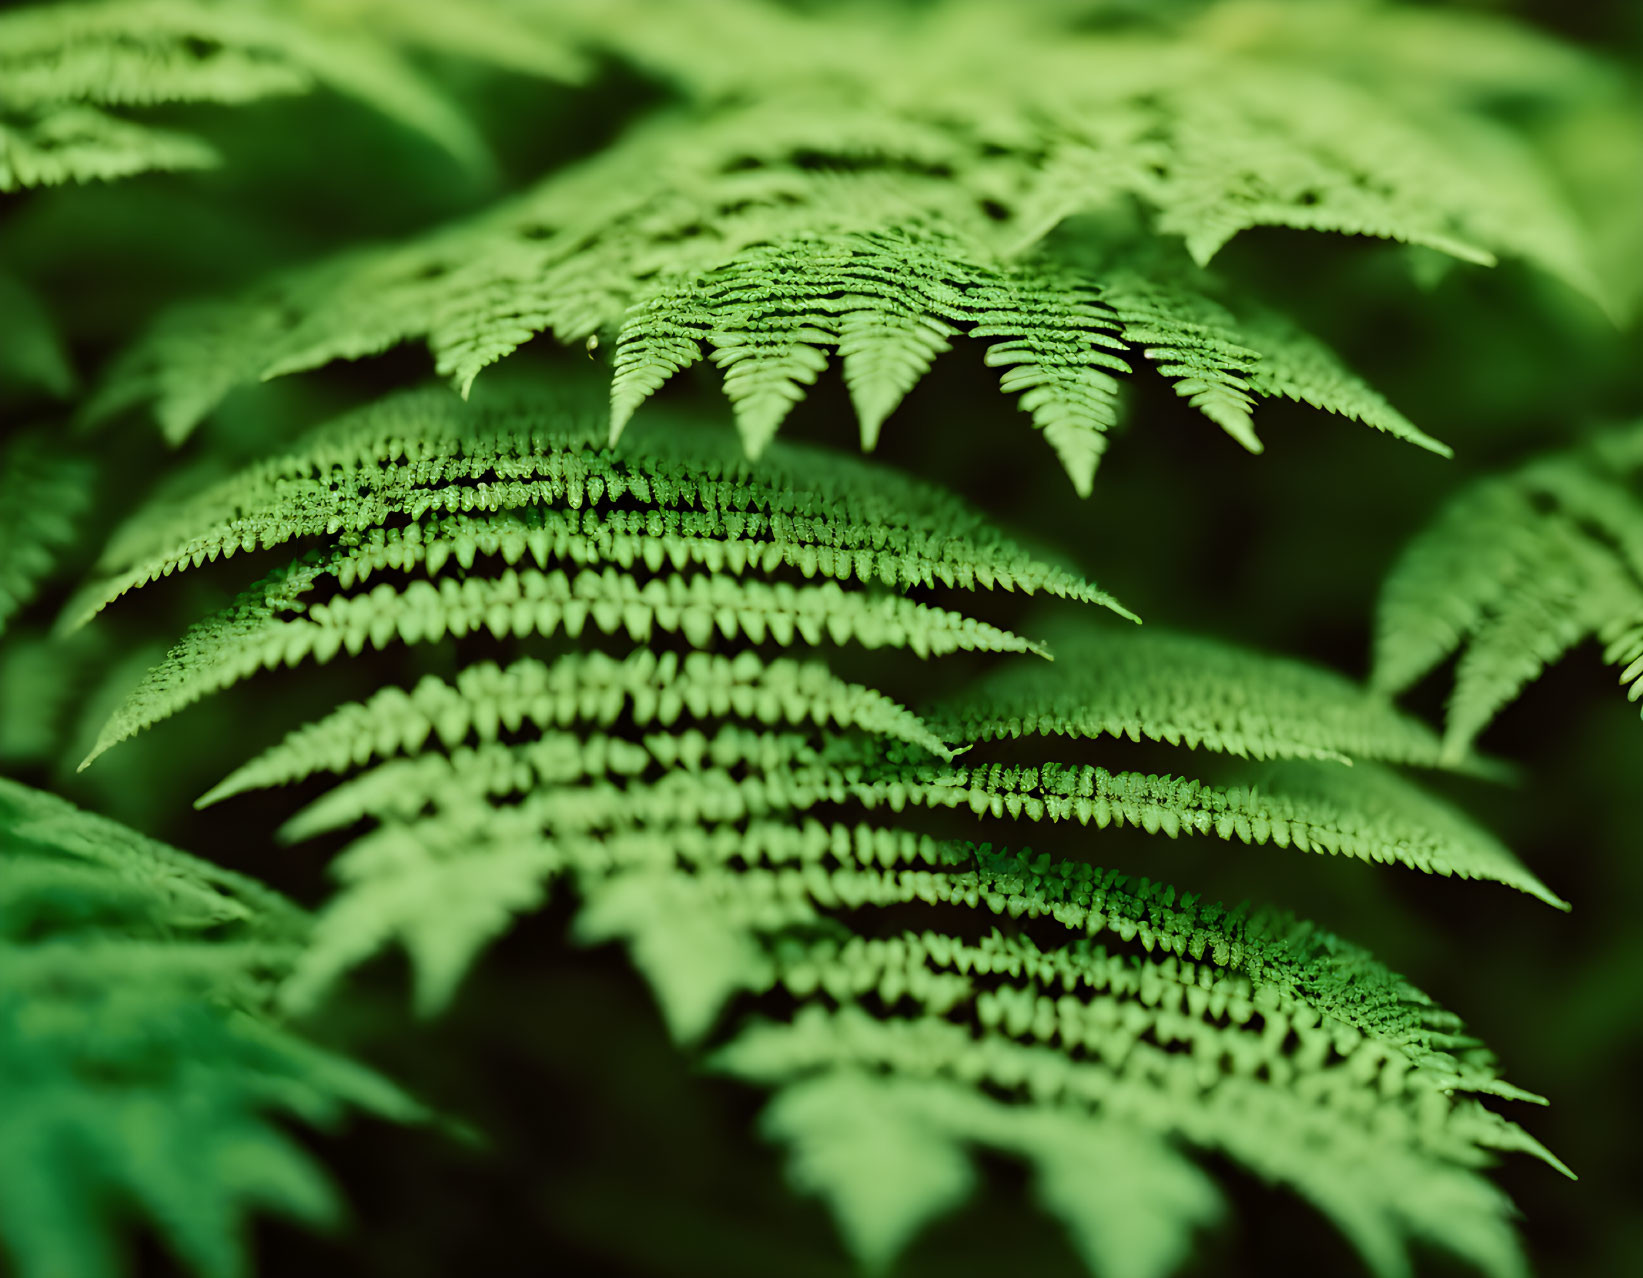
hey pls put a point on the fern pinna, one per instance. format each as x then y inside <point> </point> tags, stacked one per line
<point>748,822</point>
<point>817,748</point>
<point>1517,570</point>
<point>769,240</point>
<point>140,1058</point>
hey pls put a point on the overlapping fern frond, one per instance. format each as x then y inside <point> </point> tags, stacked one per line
<point>578,536</point>
<point>44,490</point>
<point>1513,573</point>
<point>66,68</point>
<point>140,1072</point>
<point>754,825</point>
<point>598,652</point>
<point>880,199</point>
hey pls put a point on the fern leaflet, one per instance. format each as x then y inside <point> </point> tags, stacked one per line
<point>739,820</point>
<point>1517,570</point>
<point>140,1069</point>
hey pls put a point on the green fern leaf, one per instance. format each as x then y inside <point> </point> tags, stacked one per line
<point>550,624</point>
<point>1297,366</point>
<point>750,519</point>
<point>1513,573</point>
<point>646,688</point>
<point>770,315</point>
<point>1141,1022</point>
<point>1194,343</point>
<point>1187,691</point>
<point>729,225</point>
<point>271,627</point>
<point>61,63</point>
<point>884,1170</point>
<point>739,822</point>
<point>82,144</point>
<point>816,512</point>
<point>1364,812</point>
<point>44,493</point>
<point>1144,1228</point>
<point>140,1075</point>
<point>692,956</point>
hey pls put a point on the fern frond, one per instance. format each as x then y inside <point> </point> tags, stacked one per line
<point>773,228</point>
<point>887,300</point>
<point>61,63</point>
<point>645,689</point>
<point>271,627</point>
<point>1183,690</point>
<point>698,774</point>
<point>580,655</point>
<point>693,868</point>
<point>183,892</point>
<point>1379,1187</point>
<point>816,512</point>
<point>82,144</point>
<point>1517,570</point>
<point>44,492</point>
<point>1295,365</point>
<point>1195,344</point>
<point>1269,1030</point>
<point>1195,109</point>
<point>787,514</point>
<point>890,1154</point>
<point>140,52</point>
<point>740,821</point>
<point>141,1076</point>
<point>1364,812</point>
<point>888,303</point>
<point>694,904</point>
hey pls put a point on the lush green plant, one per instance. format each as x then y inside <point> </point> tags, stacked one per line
<point>774,717</point>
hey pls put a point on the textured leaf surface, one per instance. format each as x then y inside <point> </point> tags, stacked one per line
<point>751,826</point>
<point>45,489</point>
<point>858,204</point>
<point>63,66</point>
<point>1513,573</point>
<point>1184,690</point>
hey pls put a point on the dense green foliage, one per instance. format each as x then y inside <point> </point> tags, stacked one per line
<point>825,754</point>
<point>139,1061</point>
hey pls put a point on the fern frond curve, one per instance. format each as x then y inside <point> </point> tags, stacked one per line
<point>44,492</point>
<point>646,688</point>
<point>1144,1028</point>
<point>738,818</point>
<point>1183,690</point>
<point>812,222</point>
<point>886,298</point>
<point>741,711</point>
<point>83,144</point>
<point>1513,573</point>
<point>817,511</point>
<point>1362,812</point>
<point>142,1074</point>
<point>259,631</point>
<point>639,574</point>
<point>62,65</point>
